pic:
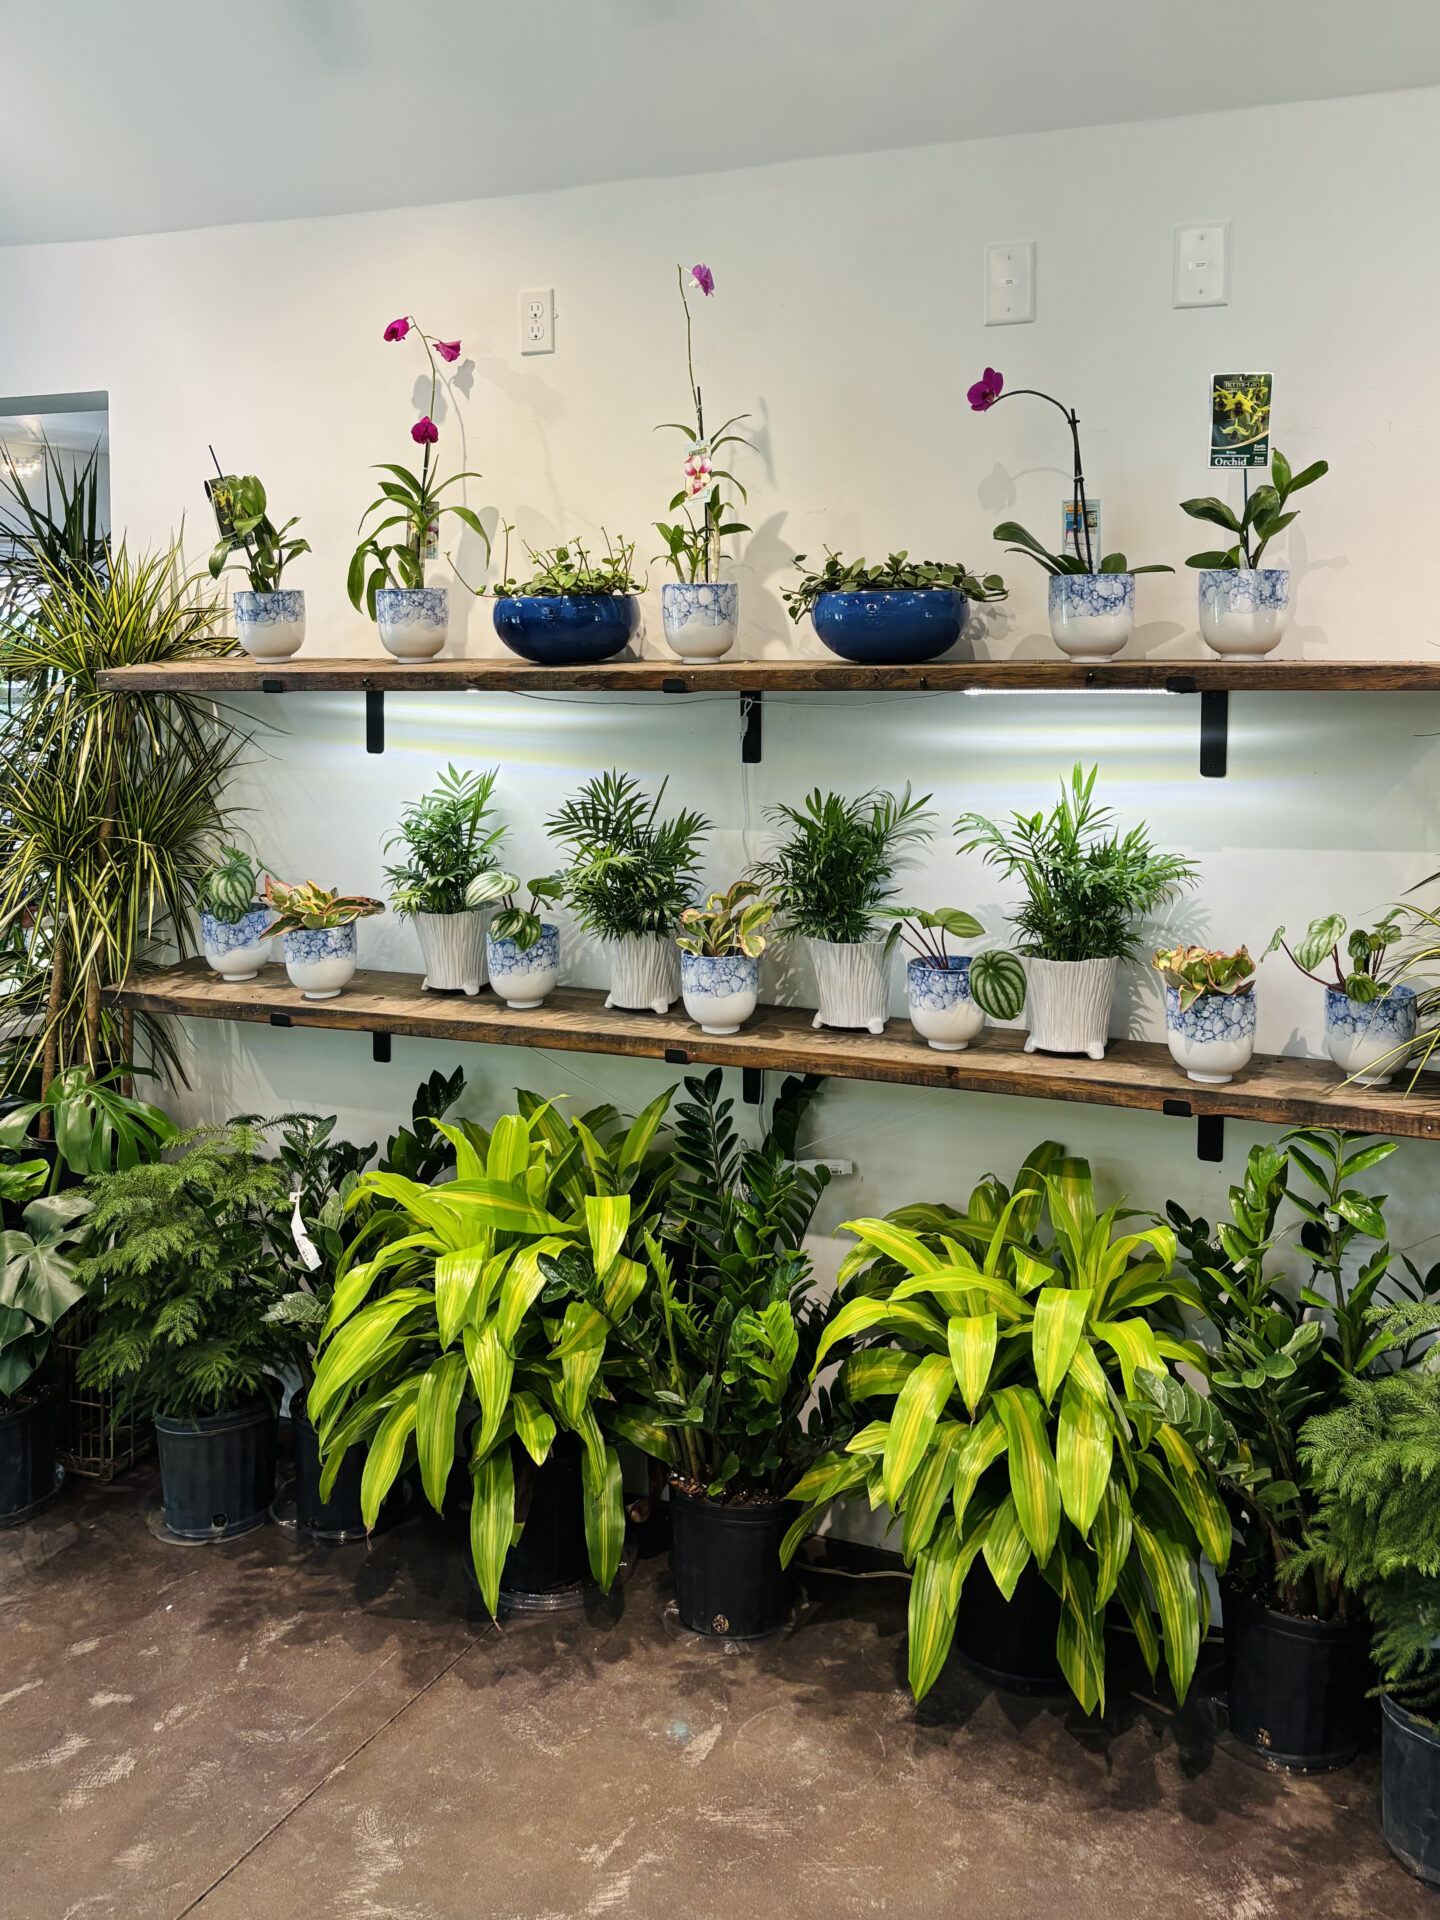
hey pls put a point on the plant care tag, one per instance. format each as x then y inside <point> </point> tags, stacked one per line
<point>1240,420</point>
<point>304,1245</point>
<point>1070,541</point>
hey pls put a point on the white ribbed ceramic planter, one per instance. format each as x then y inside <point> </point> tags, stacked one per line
<point>453,946</point>
<point>719,990</point>
<point>851,978</point>
<point>644,972</point>
<point>1214,1037</point>
<point>1068,1003</point>
<point>522,976</point>
<point>234,948</point>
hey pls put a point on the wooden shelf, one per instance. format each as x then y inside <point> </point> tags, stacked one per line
<point>1276,1089</point>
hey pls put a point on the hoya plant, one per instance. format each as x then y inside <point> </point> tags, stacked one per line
<point>1263,516</point>
<point>631,871</point>
<point>729,923</point>
<point>1196,971</point>
<point>572,568</point>
<point>831,873</point>
<point>447,842</point>
<point>898,574</point>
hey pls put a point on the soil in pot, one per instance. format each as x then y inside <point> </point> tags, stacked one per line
<point>728,1578</point>
<point>217,1470</point>
<point>1011,1642</point>
<point>1297,1686</point>
<point>1410,1791</point>
<point>30,1471</point>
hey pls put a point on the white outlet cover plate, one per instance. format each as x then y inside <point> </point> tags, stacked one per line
<point>1010,283</point>
<point>1202,265</point>
<point>537,320</point>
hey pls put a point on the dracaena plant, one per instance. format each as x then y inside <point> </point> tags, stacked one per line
<point>309,906</point>
<point>997,979</point>
<point>693,548</point>
<point>830,875</point>
<point>898,574</point>
<point>1369,974</point>
<point>230,887</point>
<point>996,1361</point>
<point>631,871</point>
<point>495,1304</point>
<point>249,538</point>
<point>447,844</point>
<point>1193,971</point>
<point>523,925</point>
<point>729,923</point>
<point>1263,516</point>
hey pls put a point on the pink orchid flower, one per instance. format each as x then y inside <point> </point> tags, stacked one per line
<point>397,329</point>
<point>425,432</point>
<point>986,390</point>
<point>703,278</point>
<point>448,349</point>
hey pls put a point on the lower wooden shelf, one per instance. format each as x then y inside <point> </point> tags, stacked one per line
<point>1275,1089</point>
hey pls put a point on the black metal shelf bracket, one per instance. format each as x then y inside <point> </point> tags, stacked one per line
<point>1209,1129</point>
<point>375,721</point>
<point>380,1049</point>
<point>751,738</point>
<point>1214,724</point>
<point>752,1085</point>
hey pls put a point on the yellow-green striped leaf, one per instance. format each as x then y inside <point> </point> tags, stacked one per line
<point>522,1286</point>
<point>457,1275</point>
<point>509,1149</point>
<point>607,1220</point>
<point>492,1522</point>
<point>1087,1372</point>
<point>644,1127</point>
<point>1110,1538</point>
<point>927,1491</point>
<point>492,1369</point>
<point>533,1426</point>
<point>604,1517</point>
<point>1080,1640</point>
<point>867,1313</point>
<point>972,1353</point>
<point>932,1614</point>
<point>1030,1271</point>
<point>436,1406</point>
<point>468,1164</point>
<point>350,1354</point>
<point>1133,1344</point>
<point>623,1288</point>
<point>1059,1322</point>
<point>870,1438</point>
<point>1131,1593</point>
<point>906,1249</point>
<point>1007,1551</point>
<point>878,1373</point>
<point>1082,1453</point>
<point>1034,1481</point>
<point>1196,1493</point>
<point>964,1286</point>
<point>913,1422</point>
<point>831,1475</point>
<point>1172,1575</point>
<point>387,1452</point>
<point>984,1444</point>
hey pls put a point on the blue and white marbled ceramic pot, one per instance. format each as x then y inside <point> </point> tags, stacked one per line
<point>413,621</point>
<point>1244,610</point>
<point>1367,1038</point>
<point>269,626</point>
<point>522,976</point>
<point>1214,1037</point>
<point>700,617</point>
<point>319,960</point>
<point>235,950</point>
<point>719,991</point>
<point>941,1008</point>
<point>1092,615</point>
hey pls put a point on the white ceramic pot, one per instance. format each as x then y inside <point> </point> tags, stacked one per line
<point>1092,615</point>
<point>941,1009</point>
<point>1367,1039</point>
<point>644,972</point>
<point>319,960</point>
<point>851,978</point>
<point>235,949</point>
<point>700,617</point>
<point>522,976</point>
<point>269,626</point>
<point>719,991</point>
<point>1244,610</point>
<point>1214,1037</point>
<point>413,621</point>
<point>453,946</point>
<point>1068,1003</point>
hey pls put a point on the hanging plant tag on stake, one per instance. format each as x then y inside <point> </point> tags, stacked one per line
<point>1070,541</point>
<point>1240,419</point>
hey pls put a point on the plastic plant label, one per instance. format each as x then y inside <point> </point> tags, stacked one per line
<point>1240,419</point>
<point>304,1245</point>
<point>1070,541</point>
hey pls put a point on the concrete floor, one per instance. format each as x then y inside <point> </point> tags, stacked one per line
<point>250,1730</point>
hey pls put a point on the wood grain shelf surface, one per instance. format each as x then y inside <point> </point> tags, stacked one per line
<point>1275,1089</point>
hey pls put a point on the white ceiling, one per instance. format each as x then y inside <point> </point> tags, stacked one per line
<point>135,116</point>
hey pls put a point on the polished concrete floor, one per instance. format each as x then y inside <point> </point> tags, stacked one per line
<point>250,1730</point>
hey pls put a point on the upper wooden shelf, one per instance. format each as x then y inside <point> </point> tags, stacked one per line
<point>1274,1089</point>
<point>243,675</point>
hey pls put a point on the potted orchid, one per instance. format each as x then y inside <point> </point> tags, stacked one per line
<point>522,949</point>
<point>1370,1015</point>
<point>319,930</point>
<point>1209,1011</point>
<point>387,576</point>
<point>1244,607</point>
<point>720,947</point>
<point>949,994</point>
<point>700,611</point>
<point>269,618</point>
<point>1092,597</point>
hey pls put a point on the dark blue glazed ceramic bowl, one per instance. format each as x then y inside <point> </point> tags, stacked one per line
<point>567,629</point>
<point>891,629</point>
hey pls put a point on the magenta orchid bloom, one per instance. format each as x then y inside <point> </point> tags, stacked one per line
<point>986,390</point>
<point>703,278</point>
<point>448,349</point>
<point>397,329</point>
<point>425,432</point>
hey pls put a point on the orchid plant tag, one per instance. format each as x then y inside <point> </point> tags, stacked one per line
<point>304,1245</point>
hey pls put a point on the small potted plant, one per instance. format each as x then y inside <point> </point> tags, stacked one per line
<point>830,877</point>
<point>1086,885</point>
<point>1092,596</point>
<point>1370,1014</point>
<point>522,949</point>
<point>38,1287</point>
<point>897,614</point>
<point>700,611</point>
<point>949,994</point>
<point>1244,607</point>
<point>269,618</point>
<point>233,917</point>
<point>575,609</point>
<point>631,877</point>
<point>720,947</point>
<point>447,845</point>
<point>319,930</point>
<point>1209,1011</point>
<point>387,576</point>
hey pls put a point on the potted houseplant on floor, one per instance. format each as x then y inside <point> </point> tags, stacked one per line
<point>319,930</point>
<point>1244,607</point>
<point>830,878</point>
<point>1371,1015</point>
<point>1092,596</point>
<point>631,876</point>
<point>522,950</point>
<point>576,608</point>
<point>949,994</point>
<point>1209,1011</point>
<point>269,618</point>
<point>1086,885</point>
<point>233,916</point>
<point>38,1287</point>
<point>899,613</point>
<point>387,575</point>
<point>720,947</point>
<point>699,610</point>
<point>188,1261</point>
<point>447,846</point>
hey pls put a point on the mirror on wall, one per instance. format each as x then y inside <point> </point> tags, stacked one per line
<point>54,484</point>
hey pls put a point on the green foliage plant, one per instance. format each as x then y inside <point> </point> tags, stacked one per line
<point>96,1124</point>
<point>421,1152</point>
<point>1263,517</point>
<point>898,574</point>
<point>254,542</point>
<point>631,872</point>
<point>1369,974</point>
<point>997,979</point>
<point>447,844</point>
<point>1029,548</point>
<point>523,925</point>
<point>830,875</point>
<point>310,906</point>
<point>572,569</point>
<point>230,886</point>
<point>321,1173</point>
<point>62,532</point>
<point>38,1280</point>
<point>1194,971</point>
<point>729,923</point>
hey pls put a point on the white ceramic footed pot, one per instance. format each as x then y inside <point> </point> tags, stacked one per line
<point>700,617</point>
<point>319,960</point>
<point>1092,615</point>
<point>1367,1039</point>
<point>453,947</point>
<point>1068,1002</point>
<point>522,976</point>
<point>235,949</point>
<point>644,972</point>
<point>719,991</point>
<point>1214,1037</point>
<point>269,626</point>
<point>853,989</point>
<point>1244,610</point>
<point>413,621</point>
<point>941,1009</point>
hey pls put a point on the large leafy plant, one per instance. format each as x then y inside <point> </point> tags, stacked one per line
<point>898,574</point>
<point>38,1280</point>
<point>631,872</point>
<point>95,1123</point>
<point>249,537</point>
<point>830,875</point>
<point>447,844</point>
<point>1264,515</point>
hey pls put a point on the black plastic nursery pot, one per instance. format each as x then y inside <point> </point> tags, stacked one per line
<point>217,1470</point>
<point>339,1518</point>
<point>1410,1791</point>
<point>30,1470</point>
<point>728,1578</point>
<point>551,1553</point>
<point>1010,1642</point>
<point>1297,1687</point>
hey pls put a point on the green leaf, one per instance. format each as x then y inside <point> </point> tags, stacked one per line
<point>1199,1502</point>
<point>998,984</point>
<point>1207,507</point>
<point>1083,1449</point>
<point>457,1275</point>
<point>604,1517</point>
<point>1060,1314</point>
<point>492,1368</point>
<point>1080,1639</point>
<point>931,1610</point>
<point>534,1427</point>
<point>1110,1536</point>
<point>1034,1481</point>
<point>913,1422</point>
<point>436,1405</point>
<point>1007,1551</point>
<point>1172,1576</point>
<point>492,1522</point>
<point>929,1488</point>
<point>972,1341</point>
<point>982,1446</point>
<point>387,1452</point>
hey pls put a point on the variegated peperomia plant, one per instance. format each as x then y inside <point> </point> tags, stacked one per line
<point>1194,971</point>
<point>729,923</point>
<point>308,905</point>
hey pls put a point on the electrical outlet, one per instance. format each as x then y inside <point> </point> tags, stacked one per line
<point>537,320</point>
<point>1202,265</point>
<point>1010,283</point>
